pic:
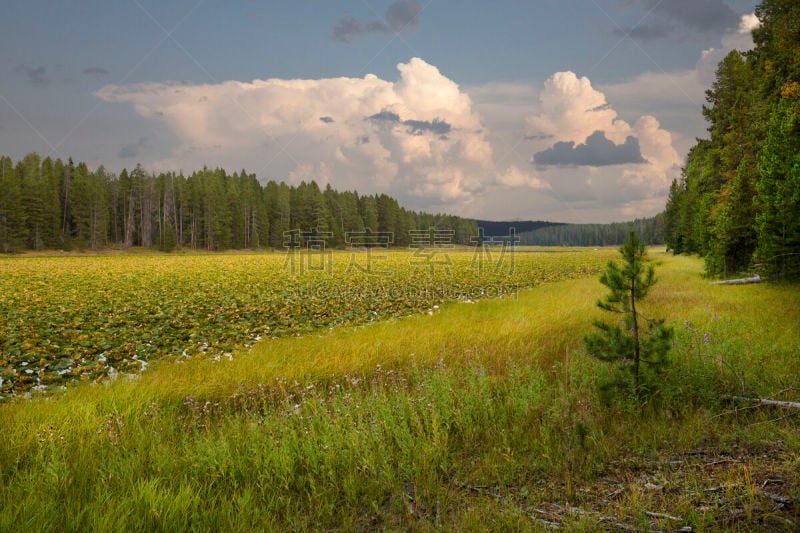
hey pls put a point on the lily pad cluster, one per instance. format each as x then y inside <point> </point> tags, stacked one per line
<point>66,319</point>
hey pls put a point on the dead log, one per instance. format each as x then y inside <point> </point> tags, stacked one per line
<point>741,281</point>
<point>765,401</point>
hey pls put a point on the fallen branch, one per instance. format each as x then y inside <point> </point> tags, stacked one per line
<point>764,401</point>
<point>663,515</point>
<point>721,461</point>
<point>741,281</point>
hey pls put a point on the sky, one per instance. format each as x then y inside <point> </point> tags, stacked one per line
<point>565,110</point>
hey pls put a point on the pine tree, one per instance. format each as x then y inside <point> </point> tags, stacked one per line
<point>628,342</point>
<point>369,212</point>
<point>778,223</point>
<point>79,225</point>
<point>34,201</point>
<point>13,232</point>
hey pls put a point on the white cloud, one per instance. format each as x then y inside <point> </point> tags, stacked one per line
<point>320,129</point>
<point>571,110</point>
<point>420,138</point>
<point>740,39</point>
<point>514,177</point>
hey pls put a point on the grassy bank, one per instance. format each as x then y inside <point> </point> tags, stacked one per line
<point>482,415</point>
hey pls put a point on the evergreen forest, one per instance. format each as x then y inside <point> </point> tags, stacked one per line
<point>50,204</point>
<point>738,200</point>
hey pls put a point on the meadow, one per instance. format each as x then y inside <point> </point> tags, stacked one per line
<point>479,414</point>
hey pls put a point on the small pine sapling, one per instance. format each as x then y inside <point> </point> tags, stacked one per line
<point>634,339</point>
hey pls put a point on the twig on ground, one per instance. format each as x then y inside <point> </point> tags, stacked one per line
<point>663,515</point>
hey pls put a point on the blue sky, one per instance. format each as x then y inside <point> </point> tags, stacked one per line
<point>563,110</point>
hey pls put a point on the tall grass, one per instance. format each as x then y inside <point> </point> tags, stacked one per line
<point>478,417</point>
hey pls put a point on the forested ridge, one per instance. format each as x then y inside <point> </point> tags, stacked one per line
<point>50,204</point>
<point>649,230</point>
<point>738,200</point>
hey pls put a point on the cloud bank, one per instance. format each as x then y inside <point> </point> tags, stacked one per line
<point>420,138</point>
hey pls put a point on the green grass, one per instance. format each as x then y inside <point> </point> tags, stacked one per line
<point>481,416</point>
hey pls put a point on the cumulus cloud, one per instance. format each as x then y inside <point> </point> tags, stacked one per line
<point>417,137</point>
<point>585,149</point>
<point>748,23</point>
<point>401,15</point>
<point>570,109</point>
<point>597,151</point>
<point>35,75</point>
<point>420,138</point>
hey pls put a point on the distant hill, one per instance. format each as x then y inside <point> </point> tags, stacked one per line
<point>496,229</point>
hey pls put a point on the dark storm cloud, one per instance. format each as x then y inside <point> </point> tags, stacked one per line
<point>387,116</point>
<point>703,15</point>
<point>346,29</point>
<point>645,32</point>
<point>132,150</point>
<point>598,151</point>
<point>35,75</point>
<point>401,15</point>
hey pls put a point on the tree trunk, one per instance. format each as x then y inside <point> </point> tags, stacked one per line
<point>635,337</point>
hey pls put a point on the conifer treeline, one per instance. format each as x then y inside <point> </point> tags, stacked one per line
<point>738,202</point>
<point>648,230</point>
<point>49,204</point>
